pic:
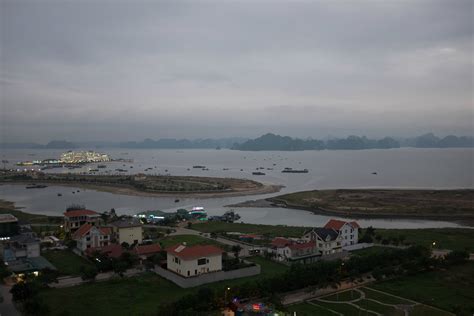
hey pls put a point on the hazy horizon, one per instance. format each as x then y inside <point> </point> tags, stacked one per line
<point>125,71</point>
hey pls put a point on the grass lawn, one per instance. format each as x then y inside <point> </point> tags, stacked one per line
<point>369,293</point>
<point>445,238</point>
<point>423,310</point>
<point>190,240</point>
<point>67,262</point>
<point>379,308</point>
<point>369,251</point>
<point>139,295</point>
<point>269,268</point>
<point>267,230</point>
<point>306,309</point>
<point>449,290</point>
<point>129,296</point>
<point>343,308</point>
<point>342,296</point>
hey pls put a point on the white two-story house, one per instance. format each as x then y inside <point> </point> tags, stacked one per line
<point>349,231</point>
<point>92,237</point>
<point>328,241</point>
<point>194,260</point>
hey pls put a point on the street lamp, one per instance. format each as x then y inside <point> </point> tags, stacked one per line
<point>225,295</point>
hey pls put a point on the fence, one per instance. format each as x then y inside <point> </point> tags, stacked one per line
<point>207,277</point>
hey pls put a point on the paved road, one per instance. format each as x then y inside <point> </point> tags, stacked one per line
<point>6,307</point>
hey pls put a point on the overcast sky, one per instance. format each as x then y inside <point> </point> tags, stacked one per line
<point>109,70</point>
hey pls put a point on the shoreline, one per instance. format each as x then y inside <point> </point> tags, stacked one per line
<point>130,191</point>
<point>467,220</point>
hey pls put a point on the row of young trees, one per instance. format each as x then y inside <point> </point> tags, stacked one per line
<point>318,275</point>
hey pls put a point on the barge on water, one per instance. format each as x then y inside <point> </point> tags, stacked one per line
<point>291,170</point>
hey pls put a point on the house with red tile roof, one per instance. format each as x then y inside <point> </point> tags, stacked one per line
<point>190,261</point>
<point>291,251</point>
<point>146,251</point>
<point>111,251</point>
<point>89,236</point>
<point>76,218</point>
<point>349,231</point>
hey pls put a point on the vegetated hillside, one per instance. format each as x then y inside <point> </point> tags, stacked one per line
<point>276,142</point>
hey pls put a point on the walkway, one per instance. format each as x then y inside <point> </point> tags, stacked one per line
<point>7,308</point>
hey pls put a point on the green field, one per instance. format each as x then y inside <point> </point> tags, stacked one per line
<point>190,240</point>
<point>307,309</point>
<point>451,290</point>
<point>374,302</point>
<point>141,295</point>
<point>343,308</point>
<point>67,262</point>
<point>266,230</point>
<point>388,299</point>
<point>437,204</point>
<point>379,308</point>
<point>343,296</point>
<point>445,238</point>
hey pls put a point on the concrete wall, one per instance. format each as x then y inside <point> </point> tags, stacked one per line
<point>208,277</point>
<point>358,246</point>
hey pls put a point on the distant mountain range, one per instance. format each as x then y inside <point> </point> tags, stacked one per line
<point>266,142</point>
<point>277,142</point>
<point>166,143</point>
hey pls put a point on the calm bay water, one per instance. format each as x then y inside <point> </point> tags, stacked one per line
<point>396,168</point>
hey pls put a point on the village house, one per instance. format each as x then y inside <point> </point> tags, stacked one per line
<point>293,251</point>
<point>128,230</point>
<point>89,236</point>
<point>76,218</point>
<point>194,260</point>
<point>328,241</point>
<point>147,251</point>
<point>349,231</point>
<point>111,251</point>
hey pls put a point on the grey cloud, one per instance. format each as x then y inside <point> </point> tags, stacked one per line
<point>228,67</point>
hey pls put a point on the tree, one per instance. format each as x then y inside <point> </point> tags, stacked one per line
<point>236,250</point>
<point>47,276</point>
<point>71,244</point>
<point>88,273</point>
<point>23,291</point>
<point>120,267</point>
<point>34,307</point>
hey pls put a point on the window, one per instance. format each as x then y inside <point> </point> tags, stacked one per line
<point>188,272</point>
<point>202,261</point>
<point>195,272</point>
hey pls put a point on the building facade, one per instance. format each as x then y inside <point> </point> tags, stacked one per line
<point>349,231</point>
<point>328,241</point>
<point>128,230</point>
<point>92,237</point>
<point>76,218</point>
<point>194,260</point>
